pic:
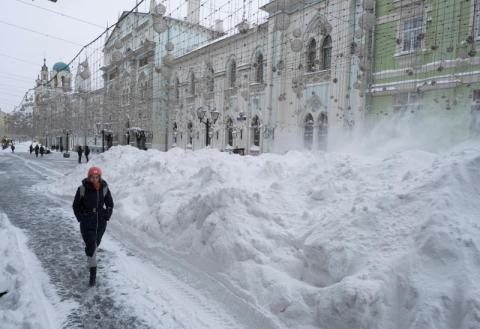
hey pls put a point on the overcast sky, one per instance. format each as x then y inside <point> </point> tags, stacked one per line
<point>22,51</point>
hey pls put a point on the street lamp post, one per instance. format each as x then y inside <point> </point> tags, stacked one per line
<point>67,154</point>
<point>202,117</point>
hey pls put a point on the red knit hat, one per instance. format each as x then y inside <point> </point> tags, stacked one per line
<point>94,171</point>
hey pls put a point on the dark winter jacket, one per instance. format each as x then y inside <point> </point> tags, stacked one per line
<point>93,208</point>
<point>87,150</point>
<point>37,148</point>
<point>42,150</point>
<point>80,150</point>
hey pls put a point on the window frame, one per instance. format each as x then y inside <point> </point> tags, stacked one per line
<point>328,47</point>
<point>232,73</point>
<point>413,32</point>
<point>476,20</point>
<point>409,105</point>
<point>311,55</point>
<point>259,71</point>
<point>308,131</point>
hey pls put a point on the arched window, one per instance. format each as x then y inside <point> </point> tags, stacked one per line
<point>259,68</point>
<point>190,133</point>
<point>256,130</point>
<point>308,132</point>
<point>311,55</point>
<point>142,87</point>
<point>323,131</point>
<point>210,79</point>
<point>327,53</point>
<point>192,84</point>
<point>177,89</point>
<point>230,132</point>
<point>175,133</point>
<point>232,74</point>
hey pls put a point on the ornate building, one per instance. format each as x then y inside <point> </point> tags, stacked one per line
<point>137,56</point>
<point>291,82</point>
<point>51,113</point>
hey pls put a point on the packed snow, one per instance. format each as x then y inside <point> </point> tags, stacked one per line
<point>316,240</point>
<point>30,301</point>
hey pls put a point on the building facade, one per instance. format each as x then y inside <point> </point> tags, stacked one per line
<point>52,105</point>
<point>137,54</point>
<point>291,82</point>
<point>307,76</point>
<point>426,58</point>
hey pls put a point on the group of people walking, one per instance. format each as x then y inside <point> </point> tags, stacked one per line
<point>80,152</point>
<point>42,150</point>
<point>37,149</point>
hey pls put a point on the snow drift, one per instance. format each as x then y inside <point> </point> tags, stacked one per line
<point>317,240</point>
<point>28,303</point>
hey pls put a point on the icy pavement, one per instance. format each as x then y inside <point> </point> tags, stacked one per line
<point>136,288</point>
<point>54,238</point>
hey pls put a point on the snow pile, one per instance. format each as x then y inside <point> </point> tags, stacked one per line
<point>27,303</point>
<point>317,240</point>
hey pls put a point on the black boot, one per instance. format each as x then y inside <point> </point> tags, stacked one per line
<point>93,276</point>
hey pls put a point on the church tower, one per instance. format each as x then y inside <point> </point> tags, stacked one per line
<point>43,78</point>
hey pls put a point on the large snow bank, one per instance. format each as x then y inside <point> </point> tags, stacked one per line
<point>319,240</point>
<point>28,303</point>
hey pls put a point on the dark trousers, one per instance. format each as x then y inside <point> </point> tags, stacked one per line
<point>92,235</point>
<point>86,156</point>
<point>79,158</point>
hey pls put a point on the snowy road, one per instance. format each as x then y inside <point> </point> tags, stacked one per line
<point>137,287</point>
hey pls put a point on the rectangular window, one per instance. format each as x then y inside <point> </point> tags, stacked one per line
<point>143,61</point>
<point>412,28</point>
<point>476,19</point>
<point>406,102</point>
<point>476,96</point>
<point>476,100</point>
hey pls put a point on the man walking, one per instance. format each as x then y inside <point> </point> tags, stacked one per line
<point>13,148</point>
<point>80,152</point>
<point>37,149</point>
<point>42,151</point>
<point>31,149</point>
<point>87,152</point>
<point>88,207</point>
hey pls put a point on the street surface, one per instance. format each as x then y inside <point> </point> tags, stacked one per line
<point>137,287</point>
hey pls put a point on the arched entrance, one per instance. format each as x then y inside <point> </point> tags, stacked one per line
<point>323,131</point>
<point>308,132</point>
<point>229,132</point>
<point>256,131</point>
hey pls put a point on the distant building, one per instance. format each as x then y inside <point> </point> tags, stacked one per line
<point>136,67</point>
<point>52,104</point>
<point>3,123</point>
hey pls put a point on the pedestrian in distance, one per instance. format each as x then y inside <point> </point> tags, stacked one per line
<point>93,207</point>
<point>61,148</point>
<point>13,148</point>
<point>37,149</point>
<point>42,151</point>
<point>87,152</point>
<point>31,149</point>
<point>80,152</point>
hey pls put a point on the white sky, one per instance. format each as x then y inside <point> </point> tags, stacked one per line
<point>22,52</point>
